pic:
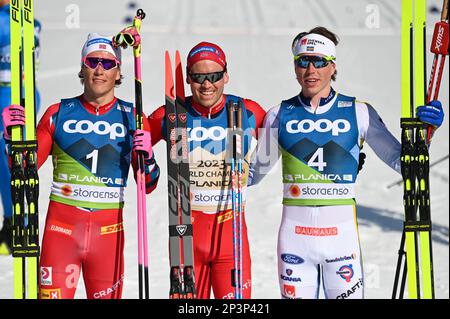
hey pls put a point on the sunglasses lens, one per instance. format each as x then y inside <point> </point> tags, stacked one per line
<point>317,61</point>
<point>107,64</point>
<point>211,77</point>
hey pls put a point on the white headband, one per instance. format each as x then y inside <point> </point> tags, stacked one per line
<point>315,43</point>
<point>97,42</point>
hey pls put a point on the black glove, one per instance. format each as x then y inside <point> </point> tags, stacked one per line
<point>362,159</point>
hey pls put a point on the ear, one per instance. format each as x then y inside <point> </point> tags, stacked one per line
<point>226,78</point>
<point>118,75</point>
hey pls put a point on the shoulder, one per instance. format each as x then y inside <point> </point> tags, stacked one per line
<point>158,114</point>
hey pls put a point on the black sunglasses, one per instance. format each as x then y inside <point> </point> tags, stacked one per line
<point>211,77</point>
<point>318,61</point>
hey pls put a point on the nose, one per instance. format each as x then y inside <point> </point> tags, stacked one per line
<point>99,68</point>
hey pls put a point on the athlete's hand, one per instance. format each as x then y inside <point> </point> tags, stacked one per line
<point>12,115</point>
<point>362,160</point>
<point>432,113</point>
<point>142,141</point>
<point>129,36</point>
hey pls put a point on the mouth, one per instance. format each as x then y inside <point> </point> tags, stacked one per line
<point>311,81</point>
<point>207,93</point>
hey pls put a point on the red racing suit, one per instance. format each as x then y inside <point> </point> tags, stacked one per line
<point>210,187</point>
<point>92,151</point>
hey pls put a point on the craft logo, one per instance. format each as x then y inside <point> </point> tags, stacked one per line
<point>111,229</point>
<point>346,272</point>
<point>46,276</point>
<point>50,293</point>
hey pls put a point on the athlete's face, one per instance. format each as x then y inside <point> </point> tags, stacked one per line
<point>207,94</point>
<point>99,82</point>
<point>315,82</point>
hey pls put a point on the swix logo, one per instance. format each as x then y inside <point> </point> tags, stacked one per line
<point>100,127</point>
<point>321,126</point>
<point>199,134</point>
<point>439,38</point>
<point>181,229</point>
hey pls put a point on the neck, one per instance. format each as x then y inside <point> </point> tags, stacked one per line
<point>98,100</point>
<point>316,98</point>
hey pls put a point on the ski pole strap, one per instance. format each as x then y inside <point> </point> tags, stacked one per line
<point>417,226</point>
<point>180,230</point>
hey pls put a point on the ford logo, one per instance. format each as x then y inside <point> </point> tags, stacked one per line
<point>292,259</point>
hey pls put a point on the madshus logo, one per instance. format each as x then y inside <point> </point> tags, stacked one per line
<point>292,259</point>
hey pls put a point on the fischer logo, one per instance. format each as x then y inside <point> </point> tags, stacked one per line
<point>321,126</point>
<point>200,134</point>
<point>46,276</point>
<point>100,127</point>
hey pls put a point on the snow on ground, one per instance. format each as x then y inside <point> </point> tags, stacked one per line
<point>256,36</point>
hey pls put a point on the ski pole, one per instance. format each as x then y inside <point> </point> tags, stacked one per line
<point>439,46</point>
<point>239,148</point>
<point>132,39</point>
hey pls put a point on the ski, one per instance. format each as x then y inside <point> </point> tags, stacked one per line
<point>182,278</point>
<point>236,158</point>
<point>24,176</point>
<point>415,158</point>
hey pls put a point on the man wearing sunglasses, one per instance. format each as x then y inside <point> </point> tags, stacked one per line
<point>319,133</point>
<point>210,180</point>
<point>5,100</point>
<point>91,139</point>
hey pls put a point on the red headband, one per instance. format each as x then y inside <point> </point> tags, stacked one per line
<point>206,51</point>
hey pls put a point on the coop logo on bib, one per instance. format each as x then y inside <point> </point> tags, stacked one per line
<point>114,130</point>
<point>200,134</point>
<point>322,126</point>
